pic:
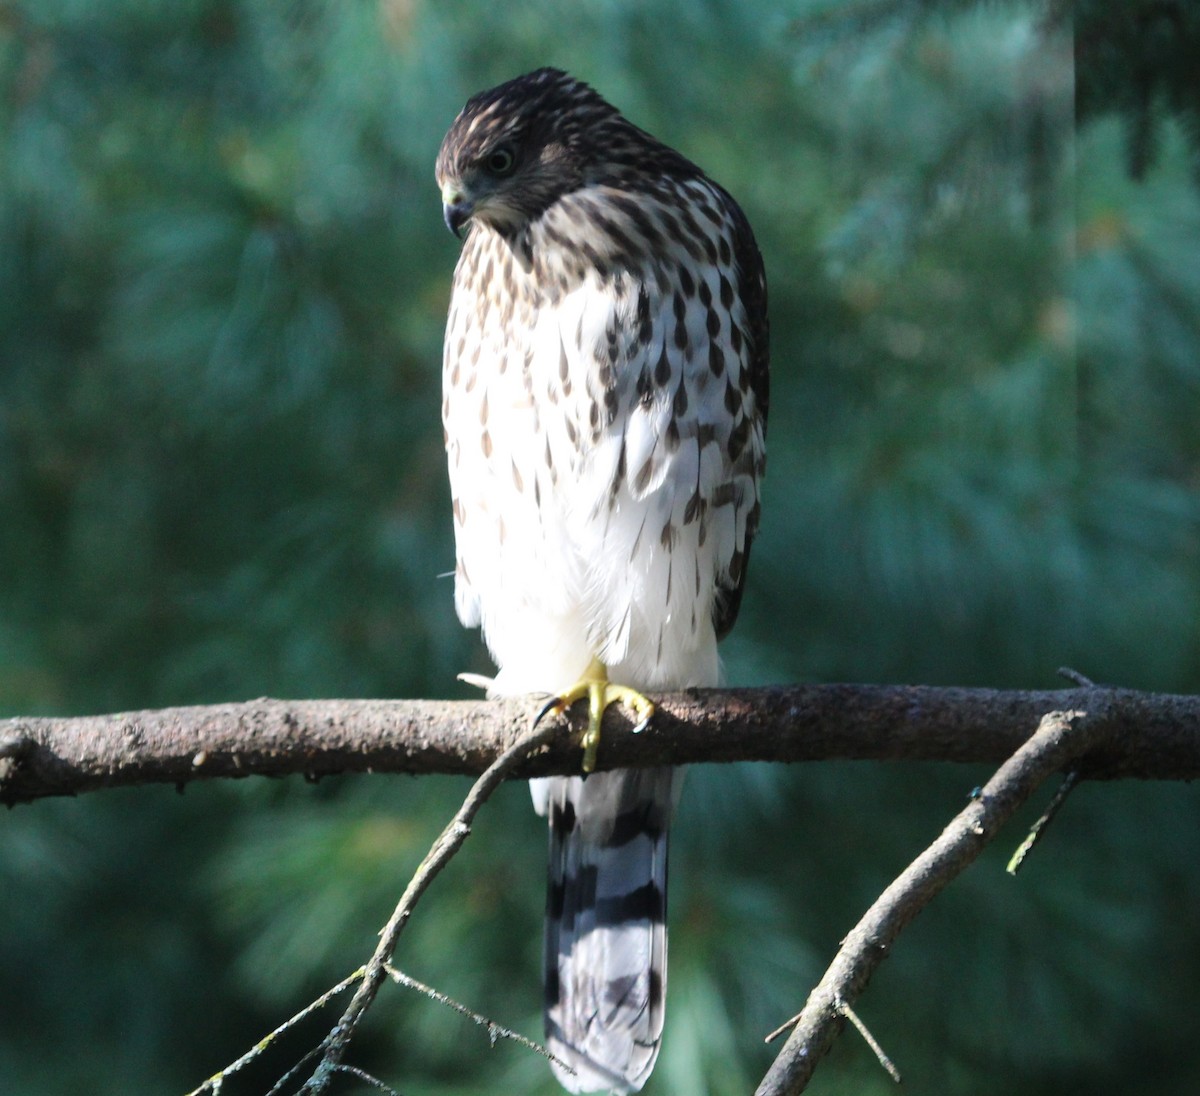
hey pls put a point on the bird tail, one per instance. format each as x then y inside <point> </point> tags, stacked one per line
<point>606,932</point>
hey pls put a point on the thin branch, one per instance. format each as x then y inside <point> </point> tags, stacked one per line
<point>335,1044</point>
<point>889,1066</point>
<point>783,1028</point>
<point>1039,827</point>
<point>495,1031</point>
<point>214,1083</point>
<point>1061,737</point>
<point>1155,736</point>
<point>369,977</point>
<point>365,1077</point>
<point>280,1086</point>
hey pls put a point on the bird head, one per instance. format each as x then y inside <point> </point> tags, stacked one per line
<point>516,149</point>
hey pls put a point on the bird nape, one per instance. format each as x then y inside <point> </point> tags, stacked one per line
<point>605,400</point>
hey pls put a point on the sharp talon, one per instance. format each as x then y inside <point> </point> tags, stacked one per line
<point>554,704</point>
<point>644,722</point>
<point>600,693</point>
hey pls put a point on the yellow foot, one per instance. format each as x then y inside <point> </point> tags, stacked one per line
<point>600,693</point>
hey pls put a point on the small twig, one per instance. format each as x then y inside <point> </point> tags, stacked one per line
<point>293,1073</point>
<point>785,1026</point>
<point>494,1030</point>
<point>334,1046</point>
<point>1035,831</point>
<point>214,1083</point>
<point>364,1076</point>
<point>1076,678</point>
<point>1060,738</point>
<point>844,1008</point>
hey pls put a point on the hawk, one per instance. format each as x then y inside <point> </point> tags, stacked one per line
<point>605,404</point>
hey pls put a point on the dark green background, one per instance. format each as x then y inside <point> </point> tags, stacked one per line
<point>223,280</point>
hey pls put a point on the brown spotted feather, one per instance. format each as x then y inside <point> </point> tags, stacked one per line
<point>605,378</point>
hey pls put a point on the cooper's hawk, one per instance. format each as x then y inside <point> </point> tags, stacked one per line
<point>605,401</point>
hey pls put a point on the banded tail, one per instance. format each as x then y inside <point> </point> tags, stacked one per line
<point>605,952</point>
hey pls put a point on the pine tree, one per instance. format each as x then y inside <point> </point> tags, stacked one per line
<point>223,280</point>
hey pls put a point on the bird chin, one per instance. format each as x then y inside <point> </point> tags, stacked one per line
<point>499,216</point>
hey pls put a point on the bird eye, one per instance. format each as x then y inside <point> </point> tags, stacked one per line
<point>501,160</point>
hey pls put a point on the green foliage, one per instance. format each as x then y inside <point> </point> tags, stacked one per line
<point>1138,61</point>
<point>223,279</point>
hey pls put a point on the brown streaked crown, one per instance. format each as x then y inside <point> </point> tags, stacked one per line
<point>517,148</point>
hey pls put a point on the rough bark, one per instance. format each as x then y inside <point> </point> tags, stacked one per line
<point>1060,739</point>
<point>1147,735</point>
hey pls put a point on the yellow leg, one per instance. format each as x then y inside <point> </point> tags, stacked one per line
<point>600,693</point>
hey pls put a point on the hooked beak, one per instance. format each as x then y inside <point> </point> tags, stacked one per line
<point>456,209</point>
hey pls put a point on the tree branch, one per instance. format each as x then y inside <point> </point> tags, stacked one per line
<point>1155,736</point>
<point>1060,737</point>
<point>328,1056</point>
<point>336,1043</point>
<point>1098,732</point>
